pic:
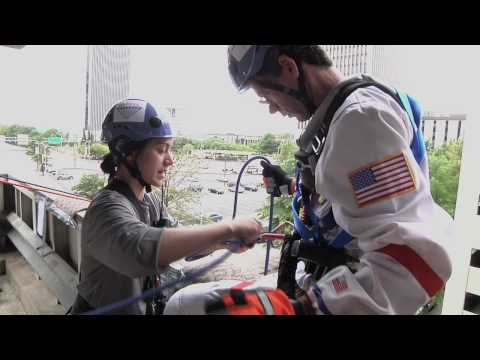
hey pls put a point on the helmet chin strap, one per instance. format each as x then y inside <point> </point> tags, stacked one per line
<point>121,157</point>
<point>300,94</point>
<point>135,172</point>
<point>307,100</point>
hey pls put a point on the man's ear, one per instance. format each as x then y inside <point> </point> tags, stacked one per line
<point>289,66</point>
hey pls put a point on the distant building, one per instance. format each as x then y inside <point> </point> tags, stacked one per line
<point>355,59</point>
<point>107,82</point>
<point>360,59</point>
<point>248,139</point>
<point>231,138</point>
<point>377,60</point>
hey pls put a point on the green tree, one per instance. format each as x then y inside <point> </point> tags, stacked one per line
<point>180,142</point>
<point>286,157</point>
<point>214,144</point>
<point>444,165</point>
<point>31,152</point>
<point>268,144</point>
<point>90,184</point>
<point>282,213</point>
<point>187,149</point>
<point>218,144</point>
<point>99,150</point>
<point>36,135</point>
<point>81,149</point>
<point>178,196</point>
<point>14,130</point>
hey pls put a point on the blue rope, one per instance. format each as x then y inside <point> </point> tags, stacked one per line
<point>258,157</point>
<point>155,291</point>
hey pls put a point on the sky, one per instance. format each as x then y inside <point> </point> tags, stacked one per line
<point>196,79</point>
<point>44,86</point>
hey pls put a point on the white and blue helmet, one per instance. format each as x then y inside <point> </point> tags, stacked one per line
<point>135,120</point>
<point>245,62</point>
<point>128,126</point>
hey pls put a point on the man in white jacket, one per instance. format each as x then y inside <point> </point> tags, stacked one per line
<point>370,174</point>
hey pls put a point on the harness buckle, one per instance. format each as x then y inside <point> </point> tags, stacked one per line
<point>317,149</point>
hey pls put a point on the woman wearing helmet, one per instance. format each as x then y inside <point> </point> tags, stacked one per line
<point>127,235</point>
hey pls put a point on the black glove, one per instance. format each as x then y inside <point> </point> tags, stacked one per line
<point>277,181</point>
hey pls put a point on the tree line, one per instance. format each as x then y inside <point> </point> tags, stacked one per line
<point>34,133</point>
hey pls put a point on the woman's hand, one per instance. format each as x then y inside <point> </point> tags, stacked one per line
<point>245,232</point>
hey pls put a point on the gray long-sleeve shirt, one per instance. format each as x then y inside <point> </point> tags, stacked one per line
<point>120,247</point>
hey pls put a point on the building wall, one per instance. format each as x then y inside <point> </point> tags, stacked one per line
<point>108,81</point>
<point>355,59</point>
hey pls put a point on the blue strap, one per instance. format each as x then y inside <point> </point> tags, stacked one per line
<point>328,221</point>
<point>342,239</point>
<point>301,228</point>
<point>308,208</point>
<point>321,304</point>
<point>414,113</point>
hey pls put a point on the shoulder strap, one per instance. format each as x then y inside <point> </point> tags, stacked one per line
<point>123,188</point>
<point>346,91</point>
<point>311,142</point>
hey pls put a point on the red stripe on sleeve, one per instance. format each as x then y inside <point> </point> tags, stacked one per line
<point>424,274</point>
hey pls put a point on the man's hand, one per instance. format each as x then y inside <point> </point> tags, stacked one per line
<point>276,180</point>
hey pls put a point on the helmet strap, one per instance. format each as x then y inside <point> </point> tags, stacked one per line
<point>133,170</point>
<point>301,94</point>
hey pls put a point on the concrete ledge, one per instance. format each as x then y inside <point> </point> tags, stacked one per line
<point>34,295</point>
<point>9,302</point>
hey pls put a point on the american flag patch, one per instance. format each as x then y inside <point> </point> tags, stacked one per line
<point>340,284</point>
<point>382,180</point>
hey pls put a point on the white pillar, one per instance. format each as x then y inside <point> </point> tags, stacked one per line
<point>467,222</point>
